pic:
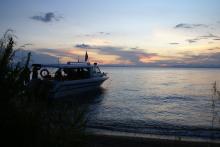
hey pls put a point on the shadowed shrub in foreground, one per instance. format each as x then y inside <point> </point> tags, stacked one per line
<point>27,117</point>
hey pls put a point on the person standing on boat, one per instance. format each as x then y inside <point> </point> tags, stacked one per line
<point>58,74</point>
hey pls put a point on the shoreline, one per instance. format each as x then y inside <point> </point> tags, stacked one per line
<point>110,138</point>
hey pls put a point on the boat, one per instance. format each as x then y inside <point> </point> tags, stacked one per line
<point>70,78</point>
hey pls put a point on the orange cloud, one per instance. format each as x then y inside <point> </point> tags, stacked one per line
<point>149,59</point>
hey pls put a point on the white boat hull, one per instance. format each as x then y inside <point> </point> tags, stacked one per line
<point>67,88</point>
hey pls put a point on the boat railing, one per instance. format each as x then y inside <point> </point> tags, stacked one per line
<point>77,63</point>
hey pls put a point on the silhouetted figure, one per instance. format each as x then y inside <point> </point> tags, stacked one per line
<point>26,75</point>
<point>58,74</point>
<point>35,73</point>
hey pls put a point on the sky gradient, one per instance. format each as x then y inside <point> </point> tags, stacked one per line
<point>119,32</point>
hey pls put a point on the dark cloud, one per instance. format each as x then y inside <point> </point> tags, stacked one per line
<point>104,33</point>
<point>190,60</point>
<point>174,43</point>
<point>26,45</point>
<point>133,55</point>
<point>181,25</point>
<point>205,59</point>
<point>215,48</point>
<point>189,26</point>
<point>187,59</point>
<point>134,48</point>
<point>192,40</point>
<point>83,46</point>
<point>55,52</point>
<point>210,35</point>
<point>46,17</point>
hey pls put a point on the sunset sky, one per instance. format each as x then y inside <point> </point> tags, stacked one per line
<point>127,32</point>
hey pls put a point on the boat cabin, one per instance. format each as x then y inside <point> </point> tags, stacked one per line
<point>69,71</point>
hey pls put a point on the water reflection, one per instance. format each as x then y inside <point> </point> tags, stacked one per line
<point>139,99</point>
<point>78,104</point>
<point>88,97</point>
<point>153,101</point>
<point>71,113</point>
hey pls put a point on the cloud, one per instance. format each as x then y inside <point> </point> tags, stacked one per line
<point>46,17</point>
<point>210,35</point>
<point>87,35</point>
<point>181,25</point>
<point>189,60</point>
<point>205,59</point>
<point>133,54</point>
<point>174,43</point>
<point>104,33</point>
<point>95,34</point>
<point>191,40</point>
<point>26,45</point>
<point>215,48</point>
<point>36,57</point>
<point>84,46</point>
<point>55,52</point>
<point>189,26</point>
<point>128,56</point>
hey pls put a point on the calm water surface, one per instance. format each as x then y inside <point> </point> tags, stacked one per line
<point>164,101</point>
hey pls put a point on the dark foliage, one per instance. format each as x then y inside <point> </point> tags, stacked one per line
<point>27,117</point>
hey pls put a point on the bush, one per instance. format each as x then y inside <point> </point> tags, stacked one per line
<point>27,119</point>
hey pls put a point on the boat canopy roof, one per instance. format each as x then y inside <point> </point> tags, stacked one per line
<point>68,65</point>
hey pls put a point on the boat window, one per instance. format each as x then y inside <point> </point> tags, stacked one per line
<point>76,73</point>
<point>35,74</point>
<point>63,73</point>
<point>97,70</point>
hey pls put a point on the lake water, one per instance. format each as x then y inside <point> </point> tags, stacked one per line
<point>160,101</point>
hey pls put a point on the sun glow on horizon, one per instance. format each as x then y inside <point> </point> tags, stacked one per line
<point>147,32</point>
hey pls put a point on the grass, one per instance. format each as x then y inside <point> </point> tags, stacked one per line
<point>28,117</point>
